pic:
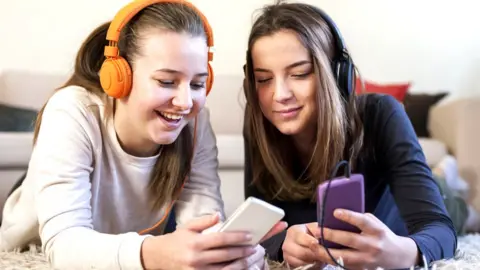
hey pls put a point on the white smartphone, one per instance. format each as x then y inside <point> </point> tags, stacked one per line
<point>255,216</point>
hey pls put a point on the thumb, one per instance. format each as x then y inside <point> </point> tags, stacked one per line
<point>313,229</point>
<point>202,223</point>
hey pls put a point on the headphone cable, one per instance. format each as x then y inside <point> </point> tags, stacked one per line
<point>332,176</point>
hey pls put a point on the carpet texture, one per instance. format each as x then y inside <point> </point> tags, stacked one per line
<point>467,258</point>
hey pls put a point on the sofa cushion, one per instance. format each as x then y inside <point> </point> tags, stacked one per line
<point>15,119</point>
<point>396,89</point>
<point>434,150</point>
<point>417,107</point>
<point>230,151</point>
<point>16,148</point>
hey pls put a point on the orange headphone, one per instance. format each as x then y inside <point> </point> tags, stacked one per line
<point>116,73</point>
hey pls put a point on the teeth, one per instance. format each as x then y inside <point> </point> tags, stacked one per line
<point>171,116</point>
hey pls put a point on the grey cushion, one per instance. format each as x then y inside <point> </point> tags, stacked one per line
<point>14,119</point>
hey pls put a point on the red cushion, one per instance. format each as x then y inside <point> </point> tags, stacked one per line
<point>397,90</point>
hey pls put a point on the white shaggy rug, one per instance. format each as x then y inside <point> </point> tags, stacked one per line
<point>467,258</point>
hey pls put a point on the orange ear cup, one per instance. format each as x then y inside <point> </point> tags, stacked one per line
<point>209,83</point>
<point>116,77</point>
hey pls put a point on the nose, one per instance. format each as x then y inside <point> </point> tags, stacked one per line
<point>282,92</point>
<point>183,98</point>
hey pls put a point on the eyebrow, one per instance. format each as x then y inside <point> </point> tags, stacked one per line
<point>296,64</point>
<point>172,71</point>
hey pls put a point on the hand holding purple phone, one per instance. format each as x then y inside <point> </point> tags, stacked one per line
<point>375,246</point>
<point>359,238</point>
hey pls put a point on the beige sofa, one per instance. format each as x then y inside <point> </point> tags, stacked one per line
<point>454,126</point>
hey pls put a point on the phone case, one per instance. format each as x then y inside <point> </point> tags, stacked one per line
<point>256,216</point>
<point>345,193</point>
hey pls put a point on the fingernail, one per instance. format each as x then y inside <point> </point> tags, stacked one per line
<point>251,250</point>
<point>339,213</point>
<point>248,236</point>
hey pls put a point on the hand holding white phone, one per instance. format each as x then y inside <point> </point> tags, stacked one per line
<point>254,216</point>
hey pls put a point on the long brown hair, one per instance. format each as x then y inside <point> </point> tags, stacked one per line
<point>339,131</point>
<point>173,165</point>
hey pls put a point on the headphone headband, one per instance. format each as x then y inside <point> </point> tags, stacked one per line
<point>341,49</point>
<point>129,11</point>
<point>342,64</point>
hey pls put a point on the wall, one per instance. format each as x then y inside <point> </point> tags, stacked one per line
<point>432,43</point>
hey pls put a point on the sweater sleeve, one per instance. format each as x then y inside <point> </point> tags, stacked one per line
<point>273,245</point>
<point>201,193</point>
<point>418,198</point>
<point>60,166</point>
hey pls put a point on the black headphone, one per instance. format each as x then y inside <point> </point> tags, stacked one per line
<point>342,64</point>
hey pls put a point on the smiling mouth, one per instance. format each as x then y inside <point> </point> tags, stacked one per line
<point>170,117</point>
<point>289,110</point>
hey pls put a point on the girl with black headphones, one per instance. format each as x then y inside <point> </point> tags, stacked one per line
<point>302,118</point>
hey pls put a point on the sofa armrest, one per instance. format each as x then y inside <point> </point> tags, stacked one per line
<point>457,124</point>
<point>15,149</point>
<point>230,151</point>
<point>230,159</point>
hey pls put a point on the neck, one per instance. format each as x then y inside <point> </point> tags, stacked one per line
<point>304,143</point>
<point>131,142</point>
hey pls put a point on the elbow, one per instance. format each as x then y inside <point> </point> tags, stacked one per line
<point>57,249</point>
<point>436,239</point>
<point>450,238</point>
<point>448,243</point>
<point>53,258</point>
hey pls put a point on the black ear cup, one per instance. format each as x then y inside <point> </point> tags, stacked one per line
<point>343,67</point>
<point>344,72</point>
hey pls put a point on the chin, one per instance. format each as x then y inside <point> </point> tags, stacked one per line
<point>161,136</point>
<point>165,139</point>
<point>288,128</point>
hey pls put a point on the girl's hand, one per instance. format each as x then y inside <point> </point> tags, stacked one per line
<point>188,248</point>
<point>296,247</point>
<point>256,261</point>
<point>376,246</point>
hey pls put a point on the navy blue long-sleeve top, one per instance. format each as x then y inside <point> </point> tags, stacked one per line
<point>399,186</point>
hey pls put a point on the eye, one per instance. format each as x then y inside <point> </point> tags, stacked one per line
<point>166,83</point>
<point>302,75</point>
<point>263,80</point>
<point>198,86</point>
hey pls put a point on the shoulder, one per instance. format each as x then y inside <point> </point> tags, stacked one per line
<point>74,113</point>
<point>78,103</point>
<point>374,106</point>
<point>385,122</point>
<point>378,110</point>
<point>73,98</point>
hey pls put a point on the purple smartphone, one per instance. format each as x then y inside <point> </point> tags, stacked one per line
<point>345,193</point>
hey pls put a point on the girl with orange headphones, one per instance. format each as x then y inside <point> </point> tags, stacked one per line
<point>122,142</point>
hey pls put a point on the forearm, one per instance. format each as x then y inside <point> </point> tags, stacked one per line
<point>83,248</point>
